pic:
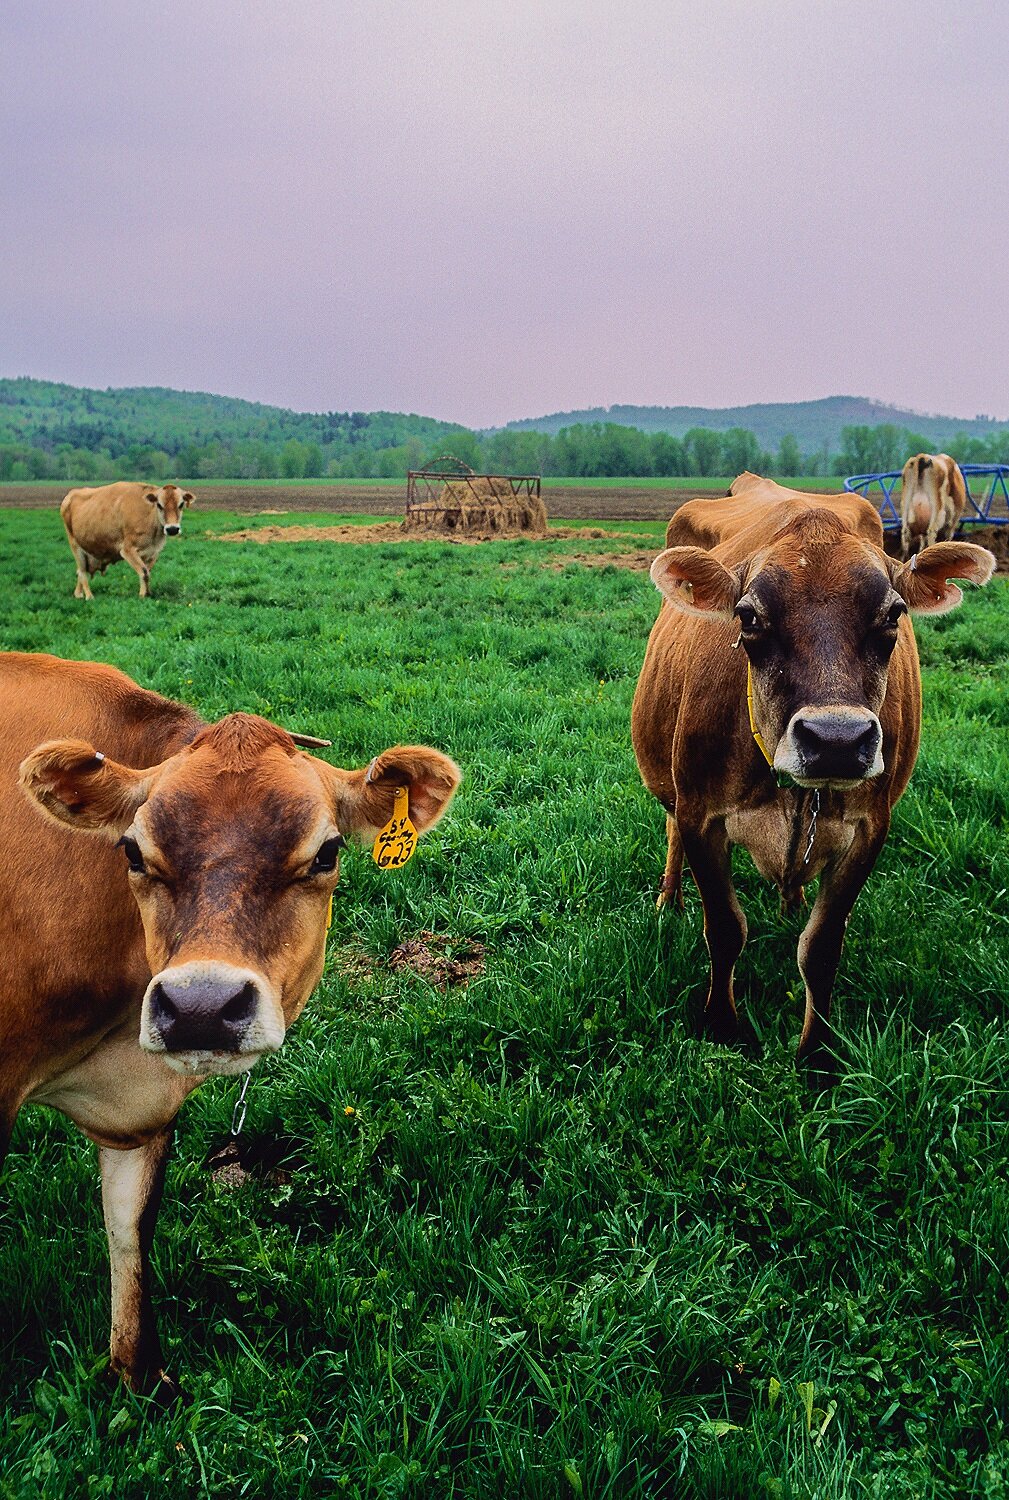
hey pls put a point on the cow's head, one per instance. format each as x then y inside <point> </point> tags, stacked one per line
<point>232,850</point>
<point>819,614</point>
<point>170,502</point>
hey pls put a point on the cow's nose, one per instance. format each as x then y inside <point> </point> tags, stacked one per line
<point>204,1012</point>
<point>836,747</point>
<point>172,530</point>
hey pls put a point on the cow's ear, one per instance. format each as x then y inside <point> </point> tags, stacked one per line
<point>924,582</point>
<point>151,497</point>
<point>188,497</point>
<point>695,582</point>
<point>75,784</point>
<point>365,798</point>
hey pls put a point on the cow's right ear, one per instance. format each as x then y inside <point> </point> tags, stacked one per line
<point>695,582</point>
<point>366,798</point>
<point>74,784</point>
<point>151,497</point>
<point>924,582</point>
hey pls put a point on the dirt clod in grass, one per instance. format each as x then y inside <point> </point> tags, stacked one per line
<point>274,1160</point>
<point>428,955</point>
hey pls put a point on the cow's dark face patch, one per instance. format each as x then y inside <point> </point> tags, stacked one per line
<point>233,860</point>
<point>819,619</point>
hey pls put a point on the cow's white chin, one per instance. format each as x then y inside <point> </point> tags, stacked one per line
<point>836,785</point>
<point>206,1064</point>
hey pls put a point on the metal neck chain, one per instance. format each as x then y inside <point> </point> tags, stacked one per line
<point>812,830</point>
<point>239,1111</point>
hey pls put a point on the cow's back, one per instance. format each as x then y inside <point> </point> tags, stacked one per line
<point>101,519</point>
<point>757,508</point>
<point>72,941</point>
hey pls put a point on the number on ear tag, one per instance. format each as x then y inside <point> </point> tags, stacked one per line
<point>398,839</point>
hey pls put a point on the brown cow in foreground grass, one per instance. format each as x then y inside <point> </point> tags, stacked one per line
<point>127,521</point>
<point>148,843</point>
<point>933,495</point>
<point>783,647</point>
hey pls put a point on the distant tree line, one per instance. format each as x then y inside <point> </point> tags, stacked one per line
<point>79,436</point>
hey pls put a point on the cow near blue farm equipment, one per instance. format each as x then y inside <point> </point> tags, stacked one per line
<point>783,651</point>
<point>933,496</point>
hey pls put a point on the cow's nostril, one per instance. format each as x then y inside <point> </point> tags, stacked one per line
<point>241,1007</point>
<point>163,1011</point>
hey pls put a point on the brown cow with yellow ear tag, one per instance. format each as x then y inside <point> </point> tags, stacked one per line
<point>164,896</point>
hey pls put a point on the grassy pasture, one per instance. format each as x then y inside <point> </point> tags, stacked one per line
<point>561,1247</point>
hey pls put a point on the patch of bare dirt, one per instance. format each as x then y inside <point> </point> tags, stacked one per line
<point>442,961</point>
<point>392,531</point>
<point>637,562</point>
<point>384,531</point>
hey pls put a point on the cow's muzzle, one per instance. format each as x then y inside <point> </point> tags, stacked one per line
<point>210,1017</point>
<point>831,747</point>
<point>172,530</point>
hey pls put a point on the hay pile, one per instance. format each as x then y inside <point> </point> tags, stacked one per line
<point>482,504</point>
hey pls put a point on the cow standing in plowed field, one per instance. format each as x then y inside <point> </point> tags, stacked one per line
<point>783,650</point>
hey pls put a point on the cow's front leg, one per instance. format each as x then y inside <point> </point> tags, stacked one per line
<point>823,938</point>
<point>143,572</point>
<point>131,1195</point>
<point>708,854</point>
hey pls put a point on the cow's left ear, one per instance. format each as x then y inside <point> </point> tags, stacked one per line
<point>365,798</point>
<point>695,582</point>
<point>188,497</point>
<point>75,784</point>
<point>924,582</point>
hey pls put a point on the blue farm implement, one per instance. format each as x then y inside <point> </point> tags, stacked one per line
<point>987,494</point>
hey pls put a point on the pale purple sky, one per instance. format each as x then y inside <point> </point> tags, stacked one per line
<point>501,208</point>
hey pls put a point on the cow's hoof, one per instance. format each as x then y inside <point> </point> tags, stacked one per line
<point>720,1027</point>
<point>820,1067</point>
<point>157,1386</point>
<point>167,1393</point>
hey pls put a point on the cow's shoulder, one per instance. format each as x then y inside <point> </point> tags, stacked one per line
<point>88,700</point>
<point>761,509</point>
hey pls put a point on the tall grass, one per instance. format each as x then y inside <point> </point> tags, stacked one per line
<point>560,1246</point>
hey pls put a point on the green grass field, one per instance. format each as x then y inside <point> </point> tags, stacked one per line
<point>561,1247</point>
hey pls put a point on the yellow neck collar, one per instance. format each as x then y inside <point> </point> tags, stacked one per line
<point>753,723</point>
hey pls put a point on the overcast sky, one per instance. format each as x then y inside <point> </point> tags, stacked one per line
<point>489,209</point>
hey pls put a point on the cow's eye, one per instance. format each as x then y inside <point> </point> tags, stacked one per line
<point>891,619</point>
<point>328,853</point>
<point>134,858</point>
<point>748,618</point>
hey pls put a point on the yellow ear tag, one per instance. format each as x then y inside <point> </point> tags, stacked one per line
<point>398,839</point>
<point>329,914</point>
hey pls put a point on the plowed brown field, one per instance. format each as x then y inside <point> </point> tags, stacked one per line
<point>630,503</point>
